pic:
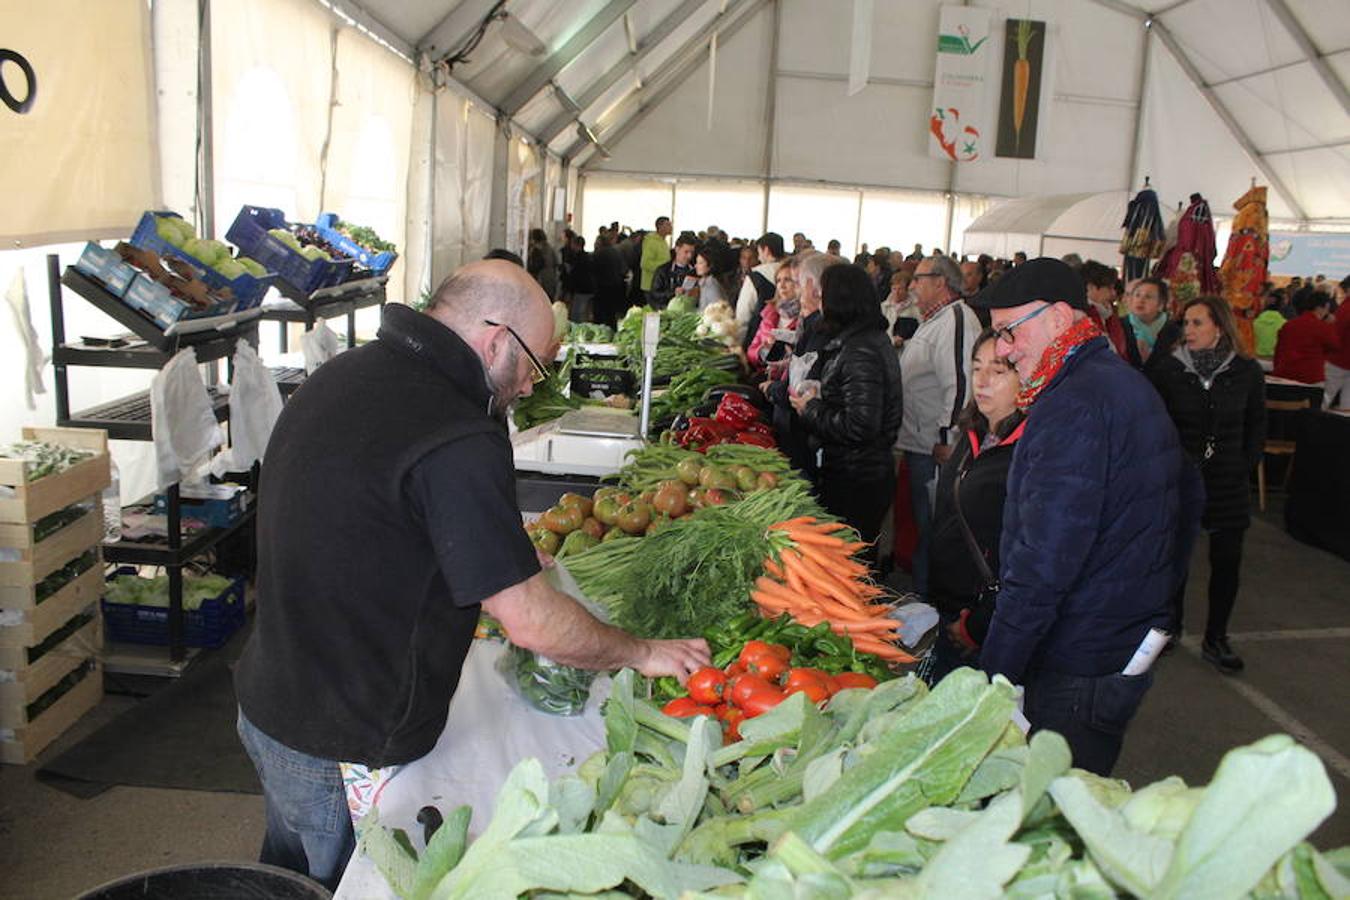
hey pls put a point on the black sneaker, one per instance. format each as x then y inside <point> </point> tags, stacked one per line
<point>1220,653</point>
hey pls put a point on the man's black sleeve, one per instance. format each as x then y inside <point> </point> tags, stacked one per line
<point>465,494</point>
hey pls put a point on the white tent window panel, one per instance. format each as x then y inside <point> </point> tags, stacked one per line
<point>83,161</point>
<point>175,44</point>
<point>966,208</point>
<point>367,168</point>
<point>271,73</point>
<point>635,203</point>
<point>901,219</point>
<point>822,214</point>
<point>737,208</point>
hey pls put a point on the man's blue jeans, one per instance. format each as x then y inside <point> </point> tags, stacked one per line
<point>308,827</point>
<point>1091,713</point>
<point>922,471</point>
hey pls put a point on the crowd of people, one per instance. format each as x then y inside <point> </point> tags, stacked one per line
<point>1055,439</point>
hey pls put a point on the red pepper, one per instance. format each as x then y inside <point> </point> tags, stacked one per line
<point>755,439</point>
<point>736,411</point>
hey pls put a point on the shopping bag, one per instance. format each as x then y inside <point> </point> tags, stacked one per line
<point>183,424</point>
<point>799,370</point>
<point>319,345</point>
<point>255,404</point>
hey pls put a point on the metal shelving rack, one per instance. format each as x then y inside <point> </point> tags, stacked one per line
<point>325,303</point>
<point>129,419</point>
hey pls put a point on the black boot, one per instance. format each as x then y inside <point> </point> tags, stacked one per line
<point>1219,652</point>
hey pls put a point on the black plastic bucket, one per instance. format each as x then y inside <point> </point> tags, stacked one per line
<point>211,881</point>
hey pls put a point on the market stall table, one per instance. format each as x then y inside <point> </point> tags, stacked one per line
<point>489,730</point>
<point>1319,488</point>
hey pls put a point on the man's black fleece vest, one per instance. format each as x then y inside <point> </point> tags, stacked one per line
<point>358,644</point>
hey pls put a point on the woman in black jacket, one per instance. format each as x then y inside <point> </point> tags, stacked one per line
<point>1215,394</point>
<point>854,417</point>
<point>973,484</point>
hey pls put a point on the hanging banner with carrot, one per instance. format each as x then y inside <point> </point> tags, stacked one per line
<point>961,120</point>
<point>1023,66</point>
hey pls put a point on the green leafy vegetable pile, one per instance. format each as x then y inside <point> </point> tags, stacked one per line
<point>42,459</point>
<point>550,399</point>
<point>895,792</point>
<point>366,237</point>
<point>679,347</point>
<point>590,333</point>
<point>137,591</point>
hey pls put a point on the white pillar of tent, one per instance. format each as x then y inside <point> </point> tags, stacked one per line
<point>771,110</point>
<point>1132,177</point>
<point>501,178</point>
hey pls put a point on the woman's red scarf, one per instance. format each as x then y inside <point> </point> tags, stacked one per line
<point>1054,357</point>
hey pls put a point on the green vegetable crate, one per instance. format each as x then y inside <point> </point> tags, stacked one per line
<point>51,526</point>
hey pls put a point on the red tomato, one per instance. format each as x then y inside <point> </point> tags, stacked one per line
<point>745,685</point>
<point>760,700</point>
<point>755,648</point>
<point>680,707</point>
<point>768,664</point>
<point>707,685</point>
<point>847,680</point>
<point>735,669</point>
<point>812,682</point>
<point>732,724</point>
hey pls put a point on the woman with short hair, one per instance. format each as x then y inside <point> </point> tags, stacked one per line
<point>1216,395</point>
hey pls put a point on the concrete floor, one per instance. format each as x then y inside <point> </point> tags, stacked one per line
<point>1292,625</point>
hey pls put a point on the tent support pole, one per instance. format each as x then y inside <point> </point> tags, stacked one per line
<point>1319,62</point>
<point>1132,176</point>
<point>428,278</point>
<point>501,183</point>
<point>206,161</point>
<point>771,111</point>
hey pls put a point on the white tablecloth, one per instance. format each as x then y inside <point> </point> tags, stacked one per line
<point>489,730</point>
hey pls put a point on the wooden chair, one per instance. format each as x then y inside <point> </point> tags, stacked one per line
<point>1276,447</point>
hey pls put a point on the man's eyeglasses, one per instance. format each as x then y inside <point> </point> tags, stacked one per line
<point>540,370</point>
<point>1006,332</point>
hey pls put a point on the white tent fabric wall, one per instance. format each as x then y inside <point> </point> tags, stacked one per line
<point>366,176</point>
<point>462,183</point>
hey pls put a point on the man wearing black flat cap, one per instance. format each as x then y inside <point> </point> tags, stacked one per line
<point>1096,527</point>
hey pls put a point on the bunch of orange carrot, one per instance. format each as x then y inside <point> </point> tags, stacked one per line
<point>816,579</point>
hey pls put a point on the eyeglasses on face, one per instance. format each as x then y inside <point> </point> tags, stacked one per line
<point>1006,332</point>
<point>540,370</point>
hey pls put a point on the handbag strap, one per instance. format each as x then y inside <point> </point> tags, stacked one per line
<point>973,545</point>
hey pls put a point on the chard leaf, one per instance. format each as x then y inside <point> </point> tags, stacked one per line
<point>1132,859</point>
<point>1048,757</point>
<point>621,727</point>
<point>925,761</point>
<point>612,780</point>
<point>574,800</point>
<point>979,859</point>
<point>393,857</point>
<point>581,863</point>
<point>940,823</point>
<point>996,773</point>
<point>888,853</point>
<point>683,801</point>
<point>1265,799</point>
<point>1162,808</point>
<point>821,773</point>
<point>442,853</point>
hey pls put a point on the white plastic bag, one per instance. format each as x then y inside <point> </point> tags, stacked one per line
<point>799,367</point>
<point>255,403</point>
<point>183,424</point>
<point>320,345</point>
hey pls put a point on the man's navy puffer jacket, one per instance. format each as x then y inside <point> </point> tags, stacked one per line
<point>1101,510</point>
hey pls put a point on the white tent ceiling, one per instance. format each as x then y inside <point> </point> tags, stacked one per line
<point>1199,94</point>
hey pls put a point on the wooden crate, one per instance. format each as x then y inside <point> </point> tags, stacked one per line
<point>21,745</point>
<point>32,680</point>
<point>41,558</point>
<point>31,500</point>
<point>41,619</point>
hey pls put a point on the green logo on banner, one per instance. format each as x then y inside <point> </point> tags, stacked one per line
<point>959,43</point>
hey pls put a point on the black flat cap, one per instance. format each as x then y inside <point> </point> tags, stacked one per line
<point>1044,278</point>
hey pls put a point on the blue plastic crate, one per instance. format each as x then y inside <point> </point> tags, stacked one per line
<point>378,263</point>
<point>208,626</point>
<point>248,291</point>
<point>249,234</point>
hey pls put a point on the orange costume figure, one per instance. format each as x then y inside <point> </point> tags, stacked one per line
<point>1243,273</point>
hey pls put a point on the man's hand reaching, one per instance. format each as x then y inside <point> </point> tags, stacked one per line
<point>680,658</point>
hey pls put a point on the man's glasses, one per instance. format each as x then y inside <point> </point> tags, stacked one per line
<point>540,370</point>
<point>1006,332</point>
